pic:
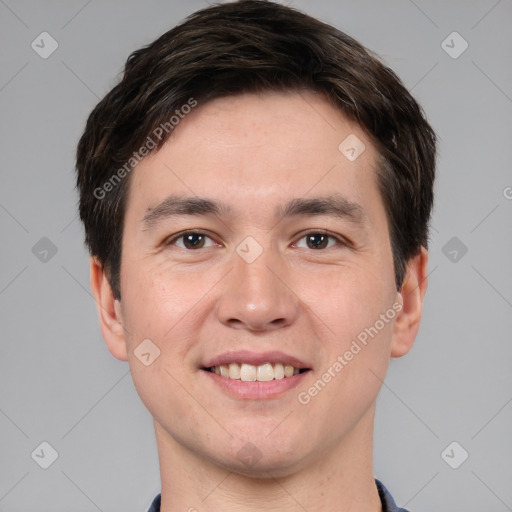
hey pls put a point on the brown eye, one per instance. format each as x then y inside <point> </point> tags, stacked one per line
<point>193,241</point>
<point>317,241</point>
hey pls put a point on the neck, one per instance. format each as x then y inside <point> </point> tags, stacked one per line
<point>339,480</point>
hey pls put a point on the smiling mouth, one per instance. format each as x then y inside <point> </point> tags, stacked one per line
<point>252,373</point>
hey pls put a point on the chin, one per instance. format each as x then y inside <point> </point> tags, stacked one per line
<point>262,457</point>
<point>264,468</point>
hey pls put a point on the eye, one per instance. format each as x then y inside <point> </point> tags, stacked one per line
<point>191,240</point>
<point>317,241</point>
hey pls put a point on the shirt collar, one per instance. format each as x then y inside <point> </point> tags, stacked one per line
<point>388,503</point>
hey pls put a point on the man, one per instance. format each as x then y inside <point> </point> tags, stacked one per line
<point>256,193</point>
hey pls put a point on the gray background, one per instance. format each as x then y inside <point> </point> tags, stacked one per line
<point>58,382</point>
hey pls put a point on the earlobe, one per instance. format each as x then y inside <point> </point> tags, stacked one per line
<point>411,296</point>
<point>109,311</point>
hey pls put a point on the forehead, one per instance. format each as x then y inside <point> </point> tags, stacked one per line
<point>272,146</point>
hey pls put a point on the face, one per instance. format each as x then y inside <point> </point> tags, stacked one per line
<point>254,247</point>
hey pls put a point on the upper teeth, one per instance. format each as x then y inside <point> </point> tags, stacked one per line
<point>251,373</point>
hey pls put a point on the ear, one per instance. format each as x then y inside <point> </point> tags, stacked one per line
<point>410,296</point>
<point>109,311</point>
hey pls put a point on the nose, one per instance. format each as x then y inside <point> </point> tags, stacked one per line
<point>256,297</point>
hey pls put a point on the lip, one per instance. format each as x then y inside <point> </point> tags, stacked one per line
<point>256,359</point>
<point>254,390</point>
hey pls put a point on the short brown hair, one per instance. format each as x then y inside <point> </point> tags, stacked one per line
<point>254,46</point>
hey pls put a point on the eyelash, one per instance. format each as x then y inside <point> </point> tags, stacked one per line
<point>340,242</point>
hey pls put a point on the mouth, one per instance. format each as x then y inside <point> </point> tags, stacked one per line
<point>247,372</point>
<point>248,375</point>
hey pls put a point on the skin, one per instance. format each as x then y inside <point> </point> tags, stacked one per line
<point>254,153</point>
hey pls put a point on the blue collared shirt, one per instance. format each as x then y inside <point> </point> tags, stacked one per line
<point>388,503</point>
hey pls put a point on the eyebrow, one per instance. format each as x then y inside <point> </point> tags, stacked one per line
<point>334,205</point>
<point>175,205</point>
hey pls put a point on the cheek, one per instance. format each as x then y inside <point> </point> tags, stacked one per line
<point>351,299</point>
<point>160,301</point>
<point>356,357</point>
<point>356,316</point>
<point>165,311</point>
<point>168,308</point>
